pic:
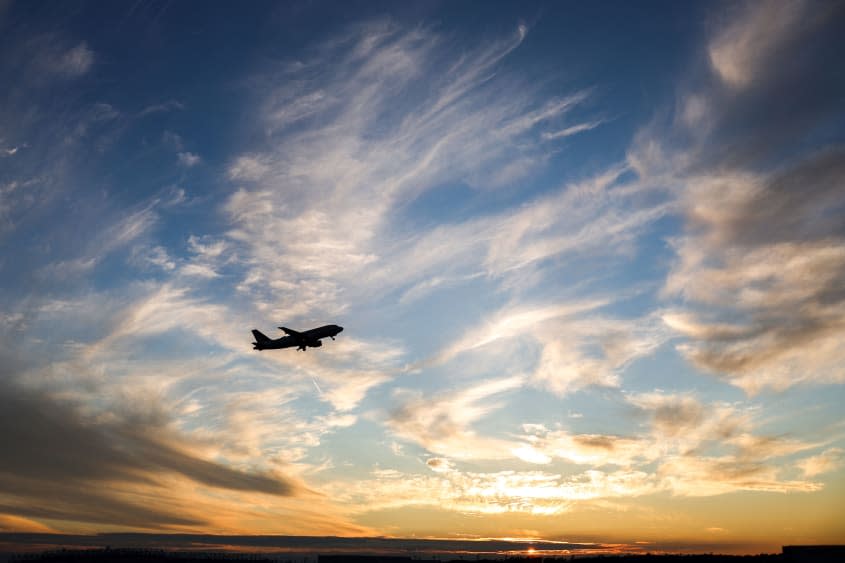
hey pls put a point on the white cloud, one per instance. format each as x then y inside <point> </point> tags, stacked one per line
<point>189,159</point>
<point>443,424</point>
<point>829,460</point>
<point>7,151</point>
<point>699,449</point>
<point>708,476</point>
<point>586,449</point>
<point>531,492</point>
<point>321,218</point>
<point>198,271</point>
<point>571,130</point>
<point>512,322</point>
<point>153,256</point>
<point>579,347</point>
<point>248,168</point>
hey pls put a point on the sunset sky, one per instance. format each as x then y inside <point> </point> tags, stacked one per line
<point>589,258</point>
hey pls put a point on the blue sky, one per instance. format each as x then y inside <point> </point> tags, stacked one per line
<point>589,261</point>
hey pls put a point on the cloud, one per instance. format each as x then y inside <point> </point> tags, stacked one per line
<point>776,257</point>
<point>336,213</point>
<point>248,168</point>
<point>106,241</point>
<point>11,523</point>
<point>75,61</point>
<point>675,454</point>
<point>760,261</point>
<point>254,422</point>
<point>439,464</point>
<point>685,447</point>
<point>164,107</point>
<point>596,216</point>
<point>188,159</point>
<point>42,59</point>
<point>679,415</point>
<point>443,424</point>
<point>595,450</point>
<point>689,440</point>
<point>699,476</point>
<point>8,151</point>
<point>594,351</point>
<point>198,271</point>
<point>53,454</point>
<point>54,441</point>
<point>512,322</point>
<point>501,492</point>
<point>825,462</point>
<point>156,256</point>
<point>169,443</point>
<point>15,197</point>
<point>739,51</point>
<point>320,217</point>
<point>572,130</point>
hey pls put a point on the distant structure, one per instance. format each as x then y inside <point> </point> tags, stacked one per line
<point>136,555</point>
<point>364,559</point>
<point>823,553</point>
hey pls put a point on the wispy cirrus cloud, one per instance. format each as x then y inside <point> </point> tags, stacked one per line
<point>579,347</point>
<point>571,130</point>
<point>599,214</point>
<point>114,237</point>
<point>330,197</point>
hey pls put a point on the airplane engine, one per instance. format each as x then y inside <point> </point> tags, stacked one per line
<point>316,344</point>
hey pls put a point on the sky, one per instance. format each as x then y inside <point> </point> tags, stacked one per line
<point>589,259</point>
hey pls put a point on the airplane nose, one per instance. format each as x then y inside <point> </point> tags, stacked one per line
<point>340,329</point>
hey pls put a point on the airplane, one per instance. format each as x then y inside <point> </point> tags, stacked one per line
<point>301,340</point>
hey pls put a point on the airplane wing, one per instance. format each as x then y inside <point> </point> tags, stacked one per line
<point>290,332</point>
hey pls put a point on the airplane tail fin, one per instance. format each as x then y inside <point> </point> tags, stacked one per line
<point>259,336</point>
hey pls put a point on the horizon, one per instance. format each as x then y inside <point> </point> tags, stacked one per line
<point>415,548</point>
<point>589,262</point>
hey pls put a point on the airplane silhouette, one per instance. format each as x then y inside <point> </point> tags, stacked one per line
<point>301,340</point>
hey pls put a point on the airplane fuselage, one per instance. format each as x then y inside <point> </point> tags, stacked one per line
<point>294,339</point>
